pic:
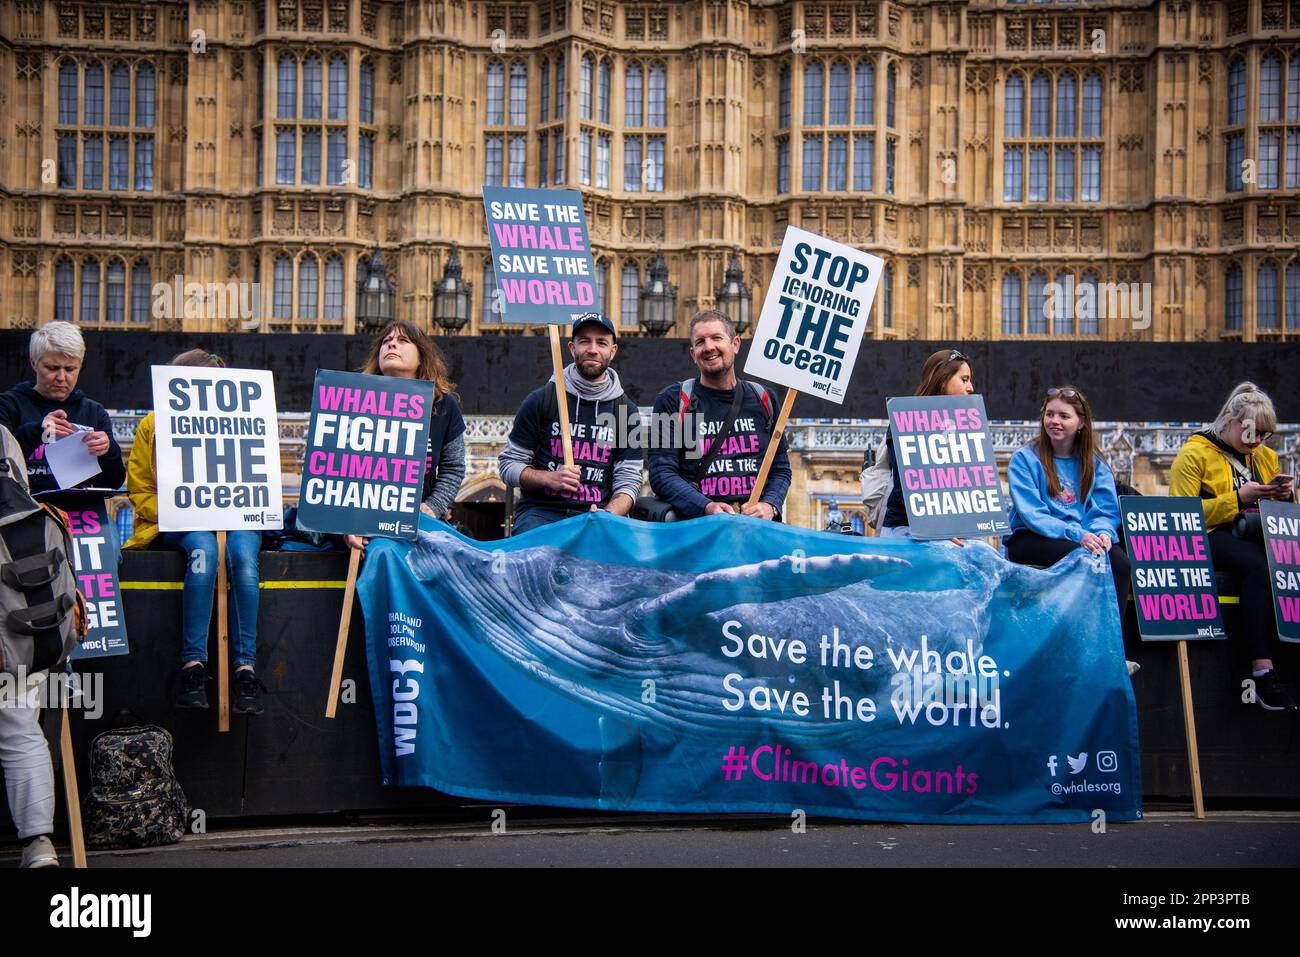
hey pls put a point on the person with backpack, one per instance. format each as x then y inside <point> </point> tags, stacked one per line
<point>52,408</point>
<point>200,550</point>
<point>946,372</point>
<point>405,351</point>
<point>37,584</point>
<point>1228,467</point>
<point>607,465</point>
<point>735,420</point>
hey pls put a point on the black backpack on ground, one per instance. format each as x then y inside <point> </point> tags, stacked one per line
<point>134,798</point>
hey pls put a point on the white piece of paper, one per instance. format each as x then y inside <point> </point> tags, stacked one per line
<point>71,460</point>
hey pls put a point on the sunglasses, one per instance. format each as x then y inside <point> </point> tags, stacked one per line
<point>955,355</point>
<point>216,360</point>
<point>1063,393</point>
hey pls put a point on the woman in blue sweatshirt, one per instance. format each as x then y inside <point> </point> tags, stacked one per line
<point>1063,493</point>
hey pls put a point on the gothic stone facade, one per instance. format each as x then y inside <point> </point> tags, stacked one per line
<point>986,149</point>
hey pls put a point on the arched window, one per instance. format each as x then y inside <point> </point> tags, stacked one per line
<point>141,293</point>
<point>1040,105</point>
<point>587,79</point>
<point>334,288</point>
<point>89,291</point>
<point>891,89</point>
<point>311,88</point>
<point>1065,96</point>
<point>338,88</point>
<point>144,95</point>
<point>839,114</point>
<point>119,96</point>
<point>864,93</point>
<point>657,95</point>
<point>1270,88</point>
<point>115,292</point>
<point>519,95</point>
<point>1092,104</point>
<point>93,112</point>
<point>1013,107</point>
<point>496,94</point>
<point>63,280</point>
<point>490,315</point>
<point>812,94</point>
<point>1011,304</point>
<point>632,96</point>
<point>1293,295</point>
<point>286,89</point>
<point>1088,309</point>
<point>68,92</point>
<point>1061,298</point>
<point>308,287</point>
<point>282,289</point>
<point>1237,92</point>
<point>1266,296</point>
<point>367,91</point>
<point>629,313</point>
<point>887,299</point>
<point>544,101</point>
<point>1232,299</point>
<point>1037,302</point>
<point>602,111</point>
<point>783,98</point>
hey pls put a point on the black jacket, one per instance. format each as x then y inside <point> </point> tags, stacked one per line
<point>22,409</point>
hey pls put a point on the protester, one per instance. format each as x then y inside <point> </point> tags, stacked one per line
<point>735,426</point>
<point>1231,470</point>
<point>1063,494</point>
<point>404,351</point>
<point>606,473</point>
<point>200,550</point>
<point>24,754</point>
<point>52,407</point>
<point>946,372</point>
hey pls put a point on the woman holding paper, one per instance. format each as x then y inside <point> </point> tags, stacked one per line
<point>946,372</point>
<point>404,351</point>
<point>200,549</point>
<point>1231,470</point>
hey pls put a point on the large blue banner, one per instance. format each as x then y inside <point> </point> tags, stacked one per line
<point>733,665</point>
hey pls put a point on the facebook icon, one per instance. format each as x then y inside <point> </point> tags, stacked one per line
<point>1051,764</point>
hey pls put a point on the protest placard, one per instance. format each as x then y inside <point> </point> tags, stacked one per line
<point>1281,521</point>
<point>818,306</point>
<point>946,466</point>
<point>1173,578</point>
<point>94,535</point>
<point>217,446</point>
<point>366,455</point>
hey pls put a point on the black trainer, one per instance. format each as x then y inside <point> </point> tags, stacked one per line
<point>247,699</point>
<point>1272,692</point>
<point>194,691</point>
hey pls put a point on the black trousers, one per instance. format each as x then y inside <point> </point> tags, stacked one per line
<point>1249,564</point>
<point>1030,548</point>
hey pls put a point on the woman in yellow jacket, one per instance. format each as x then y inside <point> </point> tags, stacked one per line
<point>1231,469</point>
<point>200,549</point>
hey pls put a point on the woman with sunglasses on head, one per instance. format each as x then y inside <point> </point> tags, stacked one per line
<point>1231,470</point>
<point>200,549</point>
<point>403,350</point>
<point>1063,493</point>
<point>946,372</point>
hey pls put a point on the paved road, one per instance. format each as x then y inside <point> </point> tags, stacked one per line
<point>1161,839</point>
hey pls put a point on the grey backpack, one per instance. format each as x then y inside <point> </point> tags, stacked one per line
<point>42,616</point>
<point>134,798</point>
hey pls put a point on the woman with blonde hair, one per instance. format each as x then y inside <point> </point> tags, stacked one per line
<point>1231,470</point>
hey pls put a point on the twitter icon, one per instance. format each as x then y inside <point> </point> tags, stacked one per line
<point>1079,763</point>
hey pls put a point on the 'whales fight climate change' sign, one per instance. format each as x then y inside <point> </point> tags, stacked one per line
<point>817,308</point>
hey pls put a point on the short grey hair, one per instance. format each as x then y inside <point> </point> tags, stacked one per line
<point>1247,403</point>
<point>62,338</point>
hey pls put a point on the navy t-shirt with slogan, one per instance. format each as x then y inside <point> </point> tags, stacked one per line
<point>594,428</point>
<point>446,424</point>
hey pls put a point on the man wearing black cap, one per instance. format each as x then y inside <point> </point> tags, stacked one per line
<point>607,470</point>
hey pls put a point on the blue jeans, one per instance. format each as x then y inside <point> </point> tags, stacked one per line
<point>200,549</point>
<point>529,517</point>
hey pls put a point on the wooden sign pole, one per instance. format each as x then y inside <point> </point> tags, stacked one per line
<point>341,645</point>
<point>223,639</point>
<point>70,790</point>
<point>773,443</point>
<point>557,360</point>
<point>1189,722</point>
